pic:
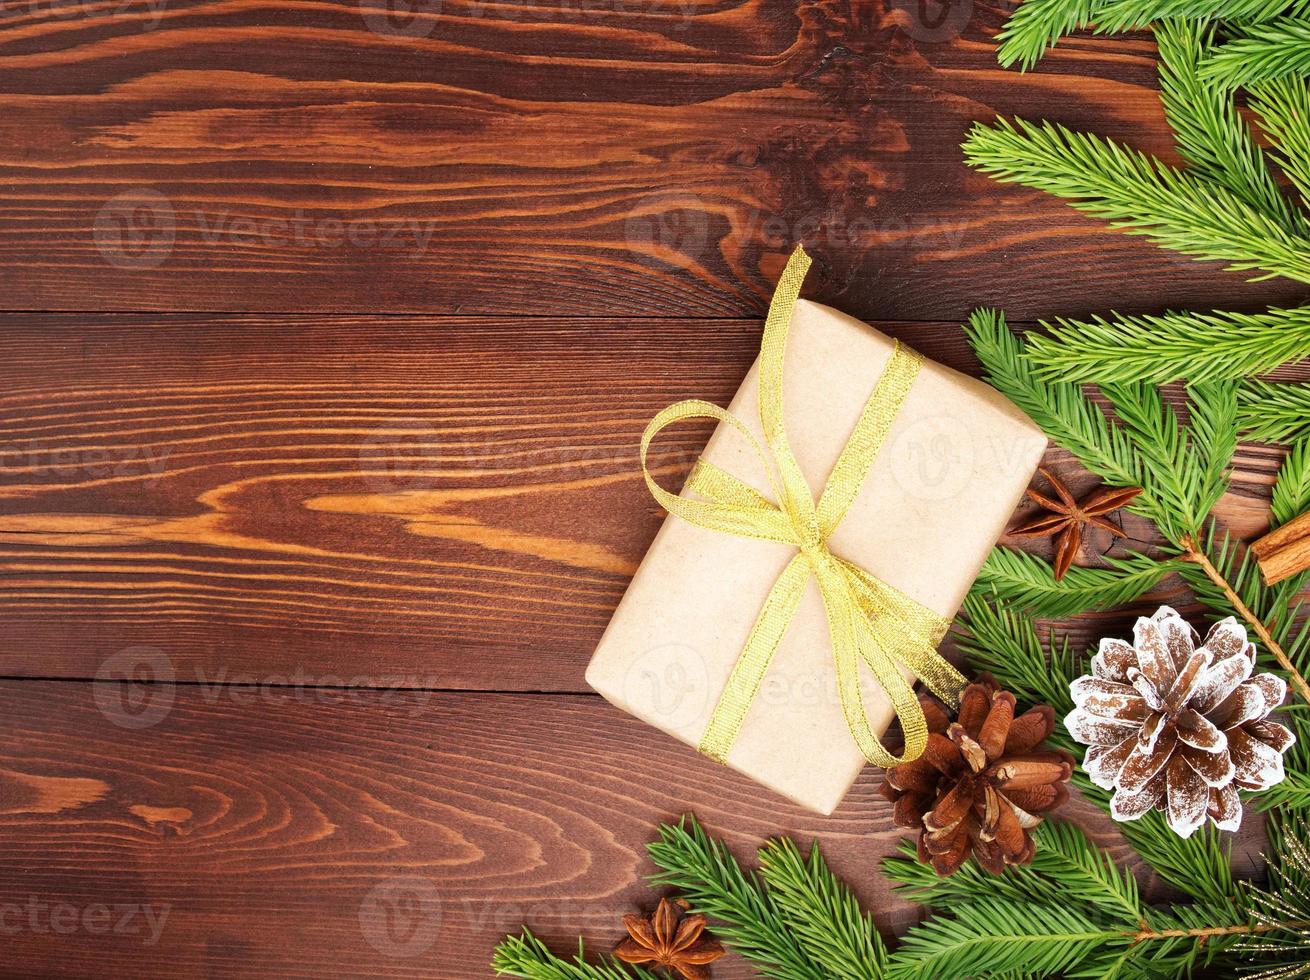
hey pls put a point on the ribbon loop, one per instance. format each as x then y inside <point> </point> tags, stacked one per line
<point>869,621</point>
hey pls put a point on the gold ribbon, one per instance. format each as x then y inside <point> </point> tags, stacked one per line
<point>868,620</point>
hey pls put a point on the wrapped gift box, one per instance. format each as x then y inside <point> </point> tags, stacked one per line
<point>953,467</point>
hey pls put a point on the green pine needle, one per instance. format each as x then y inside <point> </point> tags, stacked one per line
<point>1067,868</point>
<point>1263,53</point>
<point>1283,107</point>
<point>527,956</point>
<point>823,914</point>
<point>1271,412</point>
<point>1292,489</point>
<point>1211,136</point>
<point>1038,24</point>
<point>1138,194</point>
<point>1122,15</point>
<point>746,916</point>
<point>1172,347</point>
<point>999,640</point>
<point>1026,581</point>
<point>1188,475</point>
<point>1180,477</point>
<point>995,937</point>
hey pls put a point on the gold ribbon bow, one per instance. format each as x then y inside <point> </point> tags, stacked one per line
<point>868,619</point>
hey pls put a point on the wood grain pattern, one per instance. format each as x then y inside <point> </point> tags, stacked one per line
<point>644,158</point>
<point>371,835</point>
<point>363,556</point>
<point>451,504</point>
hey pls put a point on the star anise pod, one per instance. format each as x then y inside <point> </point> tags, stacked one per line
<point>1065,519</point>
<point>663,940</point>
<point>982,784</point>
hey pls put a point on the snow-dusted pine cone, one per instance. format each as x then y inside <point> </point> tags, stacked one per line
<point>1179,727</point>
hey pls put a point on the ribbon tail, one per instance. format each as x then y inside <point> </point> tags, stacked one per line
<point>748,673</point>
<point>908,631</point>
<point>848,632</point>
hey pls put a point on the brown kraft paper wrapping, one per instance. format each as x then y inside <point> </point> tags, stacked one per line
<point>949,475</point>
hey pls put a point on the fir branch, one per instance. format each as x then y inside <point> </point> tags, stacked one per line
<point>1281,914</point>
<point>1284,110</point>
<point>527,956</point>
<point>1029,583</point>
<point>1060,409</point>
<point>1291,495</point>
<point>746,916</point>
<point>1038,24</point>
<point>1066,868</point>
<point>1227,580</point>
<point>1186,475</point>
<point>1264,53</point>
<point>1212,442</point>
<point>1138,194</point>
<point>1001,642</point>
<point>1211,136</point>
<point>823,915</point>
<point>991,936</point>
<point>1148,451</point>
<point>1271,412</point>
<point>1173,347</point>
<point>1121,15</point>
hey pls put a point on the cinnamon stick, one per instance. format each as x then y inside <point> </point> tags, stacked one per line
<point>1285,551</point>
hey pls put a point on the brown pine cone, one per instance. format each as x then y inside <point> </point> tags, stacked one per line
<point>983,782</point>
<point>1179,727</point>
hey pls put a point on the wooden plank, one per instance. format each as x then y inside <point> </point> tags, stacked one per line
<point>637,159</point>
<point>451,504</point>
<point>372,835</point>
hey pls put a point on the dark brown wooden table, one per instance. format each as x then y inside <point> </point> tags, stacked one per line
<point>331,330</point>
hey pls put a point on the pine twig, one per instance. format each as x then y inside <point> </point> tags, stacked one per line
<point>1283,108</point>
<point>1121,15</point>
<point>1037,25</point>
<point>1171,347</point>
<point>747,917</point>
<point>1264,53</point>
<point>1138,194</point>
<point>527,957</point>
<point>1271,412</point>
<point>1196,555</point>
<point>1029,582</point>
<point>1212,137</point>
